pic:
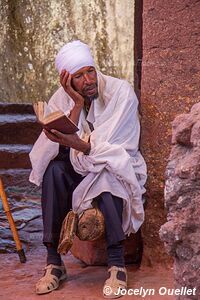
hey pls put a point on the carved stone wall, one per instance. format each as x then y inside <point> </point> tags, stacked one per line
<point>32,31</point>
<point>181,232</point>
<point>170,86</point>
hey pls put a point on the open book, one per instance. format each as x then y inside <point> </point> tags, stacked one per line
<point>53,120</point>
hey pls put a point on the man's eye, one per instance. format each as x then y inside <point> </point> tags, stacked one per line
<point>91,70</point>
<point>77,76</point>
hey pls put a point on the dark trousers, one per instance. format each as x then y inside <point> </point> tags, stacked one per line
<point>59,182</point>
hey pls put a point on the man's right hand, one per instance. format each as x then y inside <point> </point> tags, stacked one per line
<point>65,80</point>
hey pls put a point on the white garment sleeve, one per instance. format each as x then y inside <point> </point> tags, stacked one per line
<point>44,150</point>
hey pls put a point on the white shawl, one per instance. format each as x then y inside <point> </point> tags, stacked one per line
<point>114,163</point>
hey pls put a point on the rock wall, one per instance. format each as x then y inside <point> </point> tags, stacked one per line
<point>181,232</point>
<point>32,31</point>
<point>170,86</point>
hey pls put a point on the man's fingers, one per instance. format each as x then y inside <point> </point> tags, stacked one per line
<point>51,136</point>
<point>58,134</point>
<point>63,77</point>
<point>62,73</point>
<point>68,82</point>
<point>64,81</point>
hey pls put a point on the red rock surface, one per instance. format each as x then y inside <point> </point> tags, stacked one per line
<point>94,252</point>
<point>181,233</point>
<point>18,280</point>
<point>84,283</point>
<point>170,86</point>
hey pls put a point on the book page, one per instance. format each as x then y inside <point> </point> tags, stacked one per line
<point>39,110</point>
<point>52,116</point>
<point>47,110</point>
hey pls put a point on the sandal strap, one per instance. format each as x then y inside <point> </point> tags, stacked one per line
<point>113,281</point>
<point>48,275</point>
<point>114,268</point>
<point>52,266</point>
<point>50,281</point>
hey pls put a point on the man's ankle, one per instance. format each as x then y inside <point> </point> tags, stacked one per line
<point>53,257</point>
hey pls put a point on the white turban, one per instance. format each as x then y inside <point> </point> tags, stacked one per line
<point>73,56</point>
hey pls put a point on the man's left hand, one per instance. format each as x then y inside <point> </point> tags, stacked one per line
<point>68,140</point>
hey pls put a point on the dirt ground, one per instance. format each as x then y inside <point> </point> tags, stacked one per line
<point>18,280</point>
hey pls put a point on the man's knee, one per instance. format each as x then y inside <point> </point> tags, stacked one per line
<point>54,169</point>
<point>56,190</point>
<point>107,201</point>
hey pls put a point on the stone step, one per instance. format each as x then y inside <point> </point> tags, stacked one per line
<point>14,156</point>
<point>14,108</point>
<point>15,176</point>
<point>18,129</point>
<point>16,118</point>
<point>16,181</point>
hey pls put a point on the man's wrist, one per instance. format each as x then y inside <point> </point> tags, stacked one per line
<point>79,105</point>
<point>87,149</point>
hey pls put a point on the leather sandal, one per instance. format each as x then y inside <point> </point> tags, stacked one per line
<point>113,284</point>
<point>50,281</point>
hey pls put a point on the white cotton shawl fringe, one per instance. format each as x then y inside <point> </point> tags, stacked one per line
<point>114,163</point>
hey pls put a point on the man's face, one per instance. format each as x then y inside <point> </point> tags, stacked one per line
<point>84,81</point>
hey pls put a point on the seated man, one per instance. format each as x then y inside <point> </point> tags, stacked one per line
<point>101,161</point>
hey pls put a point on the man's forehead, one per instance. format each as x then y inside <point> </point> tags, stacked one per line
<point>83,69</point>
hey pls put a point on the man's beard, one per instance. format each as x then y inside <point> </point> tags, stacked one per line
<point>91,98</point>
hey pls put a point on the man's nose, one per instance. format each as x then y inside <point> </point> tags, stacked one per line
<point>87,78</point>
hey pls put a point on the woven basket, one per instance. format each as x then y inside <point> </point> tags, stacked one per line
<point>68,231</point>
<point>91,225</point>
